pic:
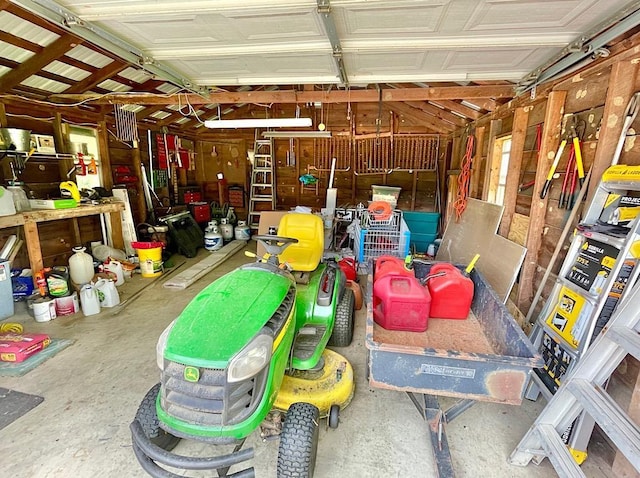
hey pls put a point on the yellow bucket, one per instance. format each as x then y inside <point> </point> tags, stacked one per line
<point>150,256</point>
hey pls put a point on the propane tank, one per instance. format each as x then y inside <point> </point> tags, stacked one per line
<point>226,229</point>
<point>231,216</point>
<point>212,237</point>
<point>80,266</point>
<point>242,231</point>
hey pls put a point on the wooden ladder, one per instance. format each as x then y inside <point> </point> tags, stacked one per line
<point>262,189</point>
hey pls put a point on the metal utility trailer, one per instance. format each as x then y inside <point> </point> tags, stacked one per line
<point>486,357</point>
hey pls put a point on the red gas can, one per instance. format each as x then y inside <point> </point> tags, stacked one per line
<point>348,266</point>
<point>451,292</point>
<point>390,265</point>
<point>401,303</point>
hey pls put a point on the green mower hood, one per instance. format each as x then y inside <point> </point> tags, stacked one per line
<point>223,318</point>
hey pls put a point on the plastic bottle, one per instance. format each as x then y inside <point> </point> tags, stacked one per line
<point>107,293</point>
<point>7,208</point>
<point>80,266</point>
<point>115,267</point>
<point>20,199</point>
<point>226,229</point>
<point>58,281</point>
<point>212,237</point>
<point>89,300</point>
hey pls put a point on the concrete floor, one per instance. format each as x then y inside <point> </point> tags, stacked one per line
<point>93,388</point>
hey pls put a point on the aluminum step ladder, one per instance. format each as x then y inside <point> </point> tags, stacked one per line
<point>262,195</point>
<point>583,391</point>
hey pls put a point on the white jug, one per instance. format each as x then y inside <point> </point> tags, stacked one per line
<point>115,267</point>
<point>89,300</point>
<point>80,266</point>
<point>107,293</point>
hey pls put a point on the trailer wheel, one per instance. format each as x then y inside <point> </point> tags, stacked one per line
<point>343,326</point>
<point>298,441</point>
<point>148,418</point>
<point>334,416</point>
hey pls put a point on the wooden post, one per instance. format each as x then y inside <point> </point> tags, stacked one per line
<point>518,135</point>
<point>103,152</point>
<point>621,87</point>
<point>3,116</point>
<point>477,162</point>
<point>136,161</point>
<point>550,142</point>
<point>495,128</point>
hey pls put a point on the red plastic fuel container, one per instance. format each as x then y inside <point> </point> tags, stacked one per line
<point>390,265</point>
<point>451,292</point>
<point>401,303</point>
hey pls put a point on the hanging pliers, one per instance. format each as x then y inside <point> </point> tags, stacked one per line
<point>569,135</point>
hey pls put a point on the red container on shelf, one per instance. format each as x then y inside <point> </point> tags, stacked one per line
<point>401,303</point>
<point>192,196</point>
<point>390,265</point>
<point>451,292</point>
<point>200,211</point>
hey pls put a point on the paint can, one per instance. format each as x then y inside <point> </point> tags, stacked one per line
<point>67,305</point>
<point>44,309</point>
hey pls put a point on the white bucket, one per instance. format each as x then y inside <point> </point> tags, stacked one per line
<point>44,309</point>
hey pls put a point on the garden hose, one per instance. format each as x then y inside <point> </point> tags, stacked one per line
<point>11,327</point>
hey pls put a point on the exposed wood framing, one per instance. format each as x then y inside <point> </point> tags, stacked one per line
<point>3,116</point>
<point>438,113</point>
<point>477,161</point>
<point>34,64</point>
<point>621,88</point>
<point>421,117</point>
<point>458,108</point>
<point>300,97</point>
<point>518,136</point>
<point>103,151</point>
<point>495,128</point>
<point>98,77</point>
<point>550,143</point>
<point>136,161</point>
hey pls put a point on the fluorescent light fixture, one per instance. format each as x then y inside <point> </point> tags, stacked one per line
<point>297,134</point>
<point>259,123</point>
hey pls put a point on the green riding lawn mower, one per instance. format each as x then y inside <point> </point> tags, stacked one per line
<point>246,350</point>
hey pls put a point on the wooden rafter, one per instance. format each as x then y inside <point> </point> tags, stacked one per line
<point>34,64</point>
<point>438,113</point>
<point>101,75</point>
<point>458,108</point>
<point>300,97</point>
<point>420,116</point>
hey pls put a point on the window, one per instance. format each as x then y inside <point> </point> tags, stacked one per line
<point>88,138</point>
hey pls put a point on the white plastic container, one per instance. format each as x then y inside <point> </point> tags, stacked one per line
<point>107,293</point>
<point>7,208</point>
<point>242,231</point>
<point>115,267</point>
<point>80,266</point>
<point>226,229</point>
<point>20,199</point>
<point>44,309</point>
<point>6,291</point>
<point>89,300</point>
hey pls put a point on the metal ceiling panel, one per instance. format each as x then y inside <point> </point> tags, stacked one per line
<point>62,69</point>
<point>89,56</point>
<point>45,84</point>
<point>134,74</point>
<point>114,86</point>
<point>14,53</point>
<point>26,30</point>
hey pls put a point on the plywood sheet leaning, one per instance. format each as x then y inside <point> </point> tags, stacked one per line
<point>195,272</point>
<point>500,258</point>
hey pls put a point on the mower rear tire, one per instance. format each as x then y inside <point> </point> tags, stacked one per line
<point>299,441</point>
<point>148,418</point>
<point>343,327</point>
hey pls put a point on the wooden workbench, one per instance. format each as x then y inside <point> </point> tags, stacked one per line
<point>29,220</point>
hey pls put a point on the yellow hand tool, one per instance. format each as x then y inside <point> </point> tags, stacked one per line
<point>552,170</point>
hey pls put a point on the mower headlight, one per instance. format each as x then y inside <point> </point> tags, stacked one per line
<point>253,358</point>
<point>162,344</point>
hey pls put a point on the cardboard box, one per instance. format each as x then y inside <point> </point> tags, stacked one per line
<point>19,347</point>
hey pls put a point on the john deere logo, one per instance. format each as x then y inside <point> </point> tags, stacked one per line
<point>191,374</point>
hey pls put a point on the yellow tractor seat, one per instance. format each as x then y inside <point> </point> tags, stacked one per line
<point>306,254</point>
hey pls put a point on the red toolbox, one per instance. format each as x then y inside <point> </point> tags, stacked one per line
<point>451,292</point>
<point>19,347</point>
<point>401,303</point>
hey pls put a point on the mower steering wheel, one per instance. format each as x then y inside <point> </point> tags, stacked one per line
<point>274,245</point>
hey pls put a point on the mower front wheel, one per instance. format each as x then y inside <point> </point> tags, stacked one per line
<point>343,326</point>
<point>299,441</point>
<point>148,418</point>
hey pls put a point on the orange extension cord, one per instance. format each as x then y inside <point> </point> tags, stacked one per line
<point>460,203</point>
